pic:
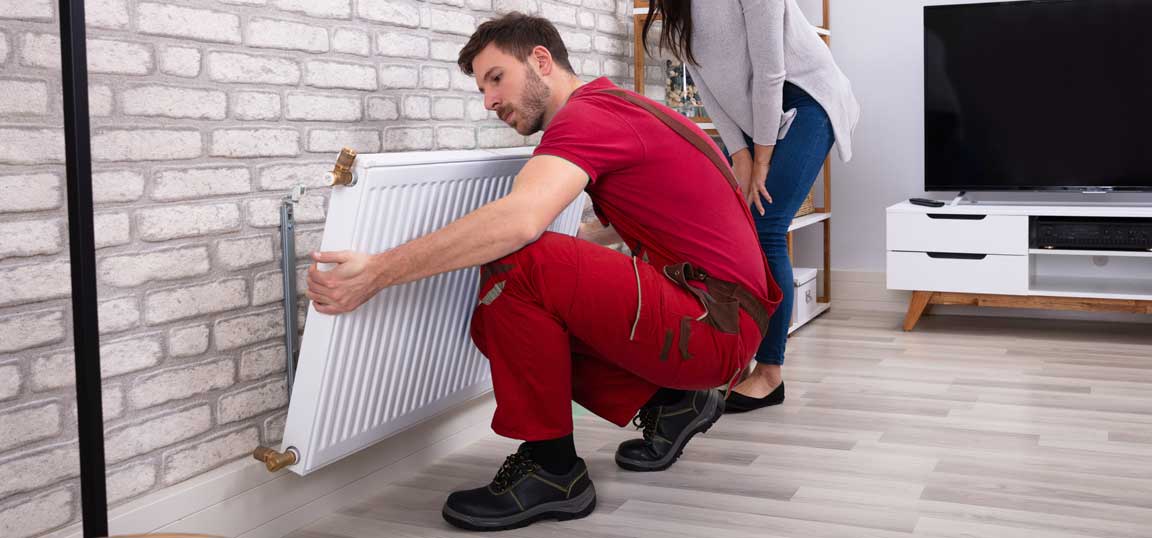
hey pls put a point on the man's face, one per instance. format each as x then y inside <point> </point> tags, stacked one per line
<point>512,89</point>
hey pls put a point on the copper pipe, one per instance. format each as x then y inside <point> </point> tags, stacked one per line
<point>342,172</point>
<point>274,460</point>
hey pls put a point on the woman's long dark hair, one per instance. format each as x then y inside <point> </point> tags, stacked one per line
<point>677,34</point>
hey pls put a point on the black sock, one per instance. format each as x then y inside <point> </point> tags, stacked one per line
<point>557,456</point>
<point>665,397</point>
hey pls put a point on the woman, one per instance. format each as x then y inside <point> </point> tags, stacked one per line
<point>779,102</point>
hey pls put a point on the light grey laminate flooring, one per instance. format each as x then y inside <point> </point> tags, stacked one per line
<point>973,427</point>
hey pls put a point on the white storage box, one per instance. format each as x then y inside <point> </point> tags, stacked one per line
<point>804,305</point>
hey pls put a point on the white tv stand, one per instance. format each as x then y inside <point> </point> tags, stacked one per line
<point>977,254</point>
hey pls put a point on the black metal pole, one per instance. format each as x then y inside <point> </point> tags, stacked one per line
<point>85,326</point>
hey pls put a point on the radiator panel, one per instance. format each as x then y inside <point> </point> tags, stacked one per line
<point>406,354</point>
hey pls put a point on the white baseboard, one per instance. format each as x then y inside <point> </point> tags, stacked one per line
<point>242,499</point>
<point>868,290</point>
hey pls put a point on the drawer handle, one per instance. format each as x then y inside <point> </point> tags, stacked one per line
<point>955,256</point>
<point>947,216</point>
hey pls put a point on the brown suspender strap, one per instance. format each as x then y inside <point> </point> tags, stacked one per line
<point>724,299</point>
<point>684,131</point>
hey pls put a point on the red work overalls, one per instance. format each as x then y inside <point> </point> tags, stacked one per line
<point>565,320</point>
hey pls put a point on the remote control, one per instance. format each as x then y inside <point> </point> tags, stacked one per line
<point>926,202</point>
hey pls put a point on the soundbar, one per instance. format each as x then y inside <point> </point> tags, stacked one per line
<point>1090,233</point>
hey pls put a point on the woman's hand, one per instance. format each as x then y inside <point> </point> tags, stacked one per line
<point>344,287</point>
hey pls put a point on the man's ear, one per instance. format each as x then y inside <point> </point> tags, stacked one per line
<point>542,57</point>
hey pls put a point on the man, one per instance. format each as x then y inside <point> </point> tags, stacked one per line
<point>561,319</point>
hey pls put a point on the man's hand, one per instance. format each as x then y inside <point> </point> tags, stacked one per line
<point>344,287</point>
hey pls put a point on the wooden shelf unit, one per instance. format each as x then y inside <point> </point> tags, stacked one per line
<point>823,214</point>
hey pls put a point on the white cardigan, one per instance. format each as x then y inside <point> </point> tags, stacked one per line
<point>746,49</point>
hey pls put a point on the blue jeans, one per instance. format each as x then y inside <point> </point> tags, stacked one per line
<point>795,164</point>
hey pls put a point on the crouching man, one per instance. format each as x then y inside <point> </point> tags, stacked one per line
<point>561,319</point>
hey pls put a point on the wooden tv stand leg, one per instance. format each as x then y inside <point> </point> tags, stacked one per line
<point>917,306</point>
<point>922,302</point>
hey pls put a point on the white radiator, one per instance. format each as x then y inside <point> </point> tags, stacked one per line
<point>405,355</point>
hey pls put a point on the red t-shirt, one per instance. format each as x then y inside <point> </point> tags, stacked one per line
<point>663,196</point>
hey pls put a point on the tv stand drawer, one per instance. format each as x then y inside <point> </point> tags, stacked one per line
<point>958,272</point>
<point>947,232</point>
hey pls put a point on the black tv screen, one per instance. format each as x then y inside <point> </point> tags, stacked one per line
<point>1038,95</point>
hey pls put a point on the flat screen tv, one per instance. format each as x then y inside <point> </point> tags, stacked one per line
<point>1038,95</point>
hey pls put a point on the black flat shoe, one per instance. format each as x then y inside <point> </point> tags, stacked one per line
<point>739,403</point>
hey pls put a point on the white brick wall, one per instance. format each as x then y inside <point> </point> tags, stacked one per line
<point>35,469</point>
<point>31,146</point>
<point>255,106</point>
<point>173,102</point>
<point>244,252</point>
<point>203,113</point>
<point>255,143</point>
<point>173,222</point>
<point>352,42</point>
<point>11,380</point>
<point>29,283</point>
<point>118,314</point>
<point>24,331</point>
<point>185,463</point>
<point>180,61</point>
<point>31,422</point>
<point>30,192</point>
<point>155,432</point>
<point>128,481</point>
<point>276,34</point>
<point>339,75</point>
<point>248,68</point>
<point>146,145</point>
<point>31,238</point>
<point>181,382</point>
<point>118,186</point>
<point>332,9</point>
<point>179,21</point>
<point>34,515</point>
<point>190,184</point>
<point>191,301</point>
<point>188,341</point>
<point>23,97</point>
<point>311,107</point>
<point>135,269</point>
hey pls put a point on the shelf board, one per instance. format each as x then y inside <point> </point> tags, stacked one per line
<point>1116,253</point>
<point>1094,288</point>
<point>808,220</point>
<point>820,309</point>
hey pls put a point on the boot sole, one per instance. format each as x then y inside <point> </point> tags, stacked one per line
<point>700,425</point>
<point>575,508</point>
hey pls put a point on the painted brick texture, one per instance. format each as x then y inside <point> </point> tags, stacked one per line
<point>204,113</point>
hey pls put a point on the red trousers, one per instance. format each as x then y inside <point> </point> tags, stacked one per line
<point>562,320</point>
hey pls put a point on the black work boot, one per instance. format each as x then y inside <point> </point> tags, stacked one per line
<point>667,428</point>
<point>522,493</point>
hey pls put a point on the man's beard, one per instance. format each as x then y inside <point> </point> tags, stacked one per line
<point>531,110</point>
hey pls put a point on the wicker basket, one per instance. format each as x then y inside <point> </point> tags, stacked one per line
<point>808,207</point>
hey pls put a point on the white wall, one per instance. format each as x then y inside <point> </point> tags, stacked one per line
<point>878,44</point>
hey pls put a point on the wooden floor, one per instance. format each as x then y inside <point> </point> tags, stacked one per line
<point>973,427</point>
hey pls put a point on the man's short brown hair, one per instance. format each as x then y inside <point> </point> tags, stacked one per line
<point>516,34</point>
